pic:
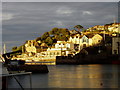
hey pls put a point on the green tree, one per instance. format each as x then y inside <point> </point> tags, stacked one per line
<point>59,34</point>
<point>49,41</point>
<point>54,31</point>
<point>20,48</point>
<point>44,36</point>
<point>14,48</point>
<point>39,38</point>
<point>78,27</point>
<point>65,31</point>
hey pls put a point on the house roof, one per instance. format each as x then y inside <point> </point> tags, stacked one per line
<point>63,42</point>
<point>44,45</point>
<point>89,35</point>
<point>73,35</point>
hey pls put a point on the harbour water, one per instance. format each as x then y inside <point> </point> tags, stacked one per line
<point>72,76</point>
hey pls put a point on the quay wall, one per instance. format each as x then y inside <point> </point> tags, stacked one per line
<point>89,59</point>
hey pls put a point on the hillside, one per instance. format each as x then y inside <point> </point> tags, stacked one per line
<point>63,34</point>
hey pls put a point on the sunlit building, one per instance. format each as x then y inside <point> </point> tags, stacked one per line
<point>62,48</point>
<point>81,41</point>
<point>116,45</point>
<point>32,46</point>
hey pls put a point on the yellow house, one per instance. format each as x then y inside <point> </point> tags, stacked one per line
<point>32,47</point>
<point>96,39</point>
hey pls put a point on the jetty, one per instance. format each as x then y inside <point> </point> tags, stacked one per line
<point>88,59</point>
<point>5,74</point>
<point>29,68</point>
<point>19,65</point>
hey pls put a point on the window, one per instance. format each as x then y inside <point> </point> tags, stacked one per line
<point>84,45</point>
<point>57,53</point>
<point>115,51</point>
<point>99,40</point>
<point>84,40</point>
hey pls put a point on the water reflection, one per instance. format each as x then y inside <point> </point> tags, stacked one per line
<point>84,76</point>
<point>74,76</point>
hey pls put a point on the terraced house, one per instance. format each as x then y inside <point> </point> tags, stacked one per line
<point>82,41</point>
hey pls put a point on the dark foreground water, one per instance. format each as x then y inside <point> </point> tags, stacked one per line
<point>72,76</point>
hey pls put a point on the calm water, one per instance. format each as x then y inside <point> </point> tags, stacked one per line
<point>73,76</point>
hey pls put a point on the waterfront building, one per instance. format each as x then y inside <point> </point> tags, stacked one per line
<point>90,40</point>
<point>96,39</point>
<point>82,41</point>
<point>116,45</point>
<point>61,48</point>
<point>32,46</point>
<point>75,38</point>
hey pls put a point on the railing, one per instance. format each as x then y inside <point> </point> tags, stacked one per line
<point>4,76</point>
<point>4,79</point>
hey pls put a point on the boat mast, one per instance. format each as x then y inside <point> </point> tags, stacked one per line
<point>114,20</point>
<point>4,49</point>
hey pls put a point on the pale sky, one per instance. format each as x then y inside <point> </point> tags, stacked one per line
<point>28,20</point>
<point>60,0</point>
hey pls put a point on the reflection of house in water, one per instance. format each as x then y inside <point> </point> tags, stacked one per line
<point>116,45</point>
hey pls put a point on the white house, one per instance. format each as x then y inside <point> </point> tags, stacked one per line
<point>75,38</point>
<point>81,41</point>
<point>62,48</point>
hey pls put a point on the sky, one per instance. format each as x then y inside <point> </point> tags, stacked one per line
<point>60,0</point>
<point>23,21</point>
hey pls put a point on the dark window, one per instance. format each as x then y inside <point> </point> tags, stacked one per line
<point>115,51</point>
<point>99,40</point>
<point>84,45</point>
<point>84,40</point>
